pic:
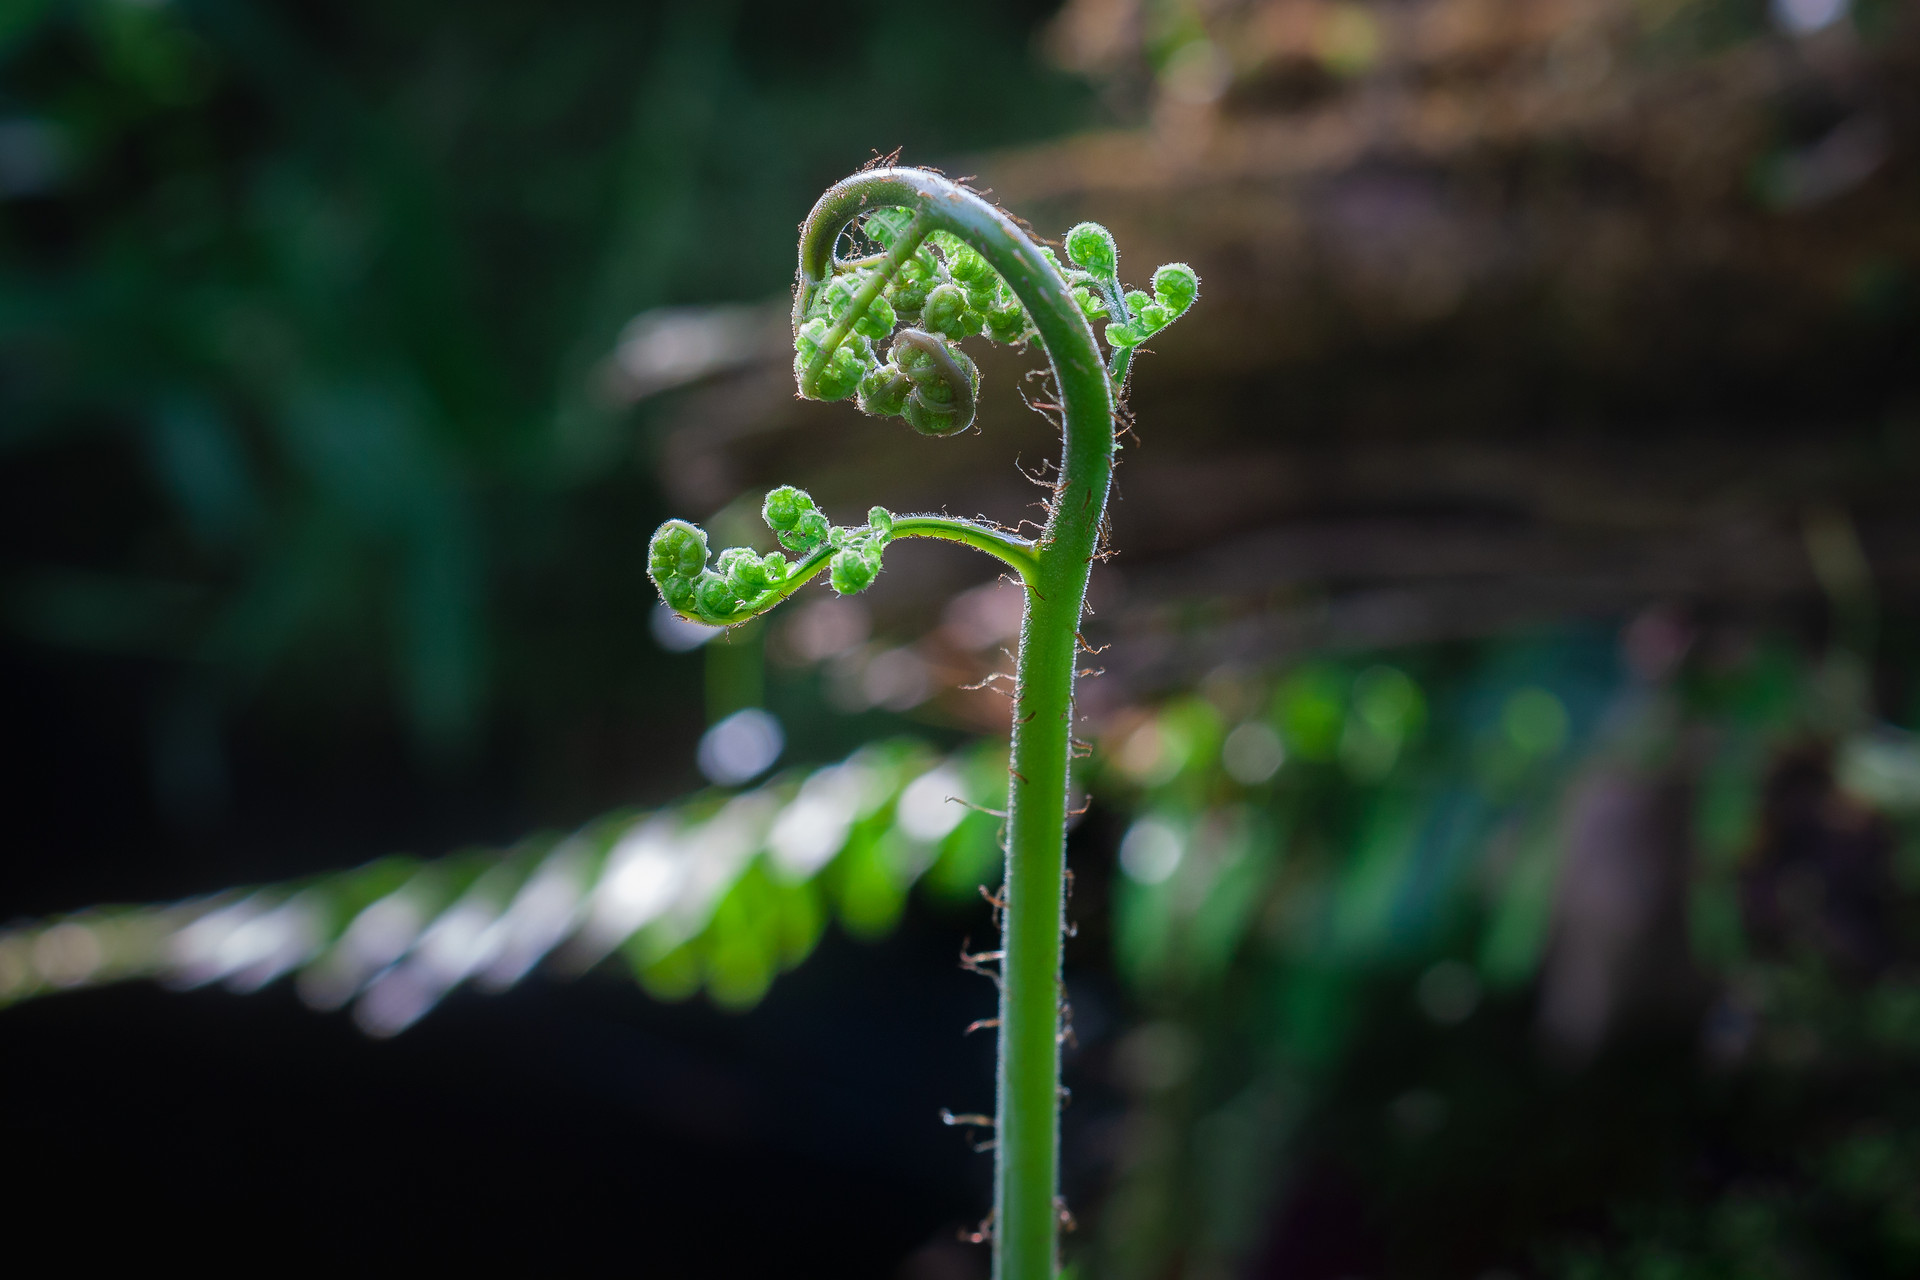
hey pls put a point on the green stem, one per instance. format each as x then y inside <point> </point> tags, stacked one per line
<point>1027,1154</point>
<point>1017,553</point>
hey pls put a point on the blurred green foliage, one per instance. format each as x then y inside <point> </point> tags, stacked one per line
<point>1368,1044</point>
<point>717,894</point>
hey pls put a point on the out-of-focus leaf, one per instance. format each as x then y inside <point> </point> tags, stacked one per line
<point>720,894</point>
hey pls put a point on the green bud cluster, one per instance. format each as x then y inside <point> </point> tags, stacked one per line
<point>742,582</point>
<point>1132,316</point>
<point>927,381</point>
<point>794,519</point>
<point>1175,286</point>
<point>1090,247</point>
<point>844,368</point>
<point>946,292</point>
<point>857,550</point>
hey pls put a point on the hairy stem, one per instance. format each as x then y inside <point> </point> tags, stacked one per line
<point>1027,1155</point>
<point>1017,553</point>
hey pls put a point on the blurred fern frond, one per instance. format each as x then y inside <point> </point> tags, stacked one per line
<point>718,893</point>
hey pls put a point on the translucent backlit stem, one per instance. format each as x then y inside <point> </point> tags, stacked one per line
<point>1016,553</point>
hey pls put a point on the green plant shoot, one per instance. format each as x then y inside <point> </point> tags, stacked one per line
<point>882,327</point>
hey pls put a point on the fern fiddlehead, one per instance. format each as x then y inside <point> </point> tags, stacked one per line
<point>950,266</point>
